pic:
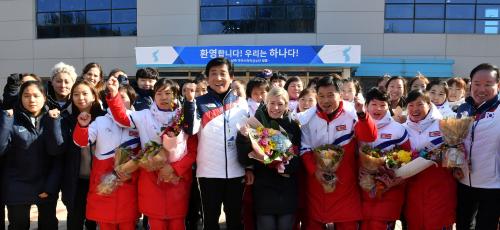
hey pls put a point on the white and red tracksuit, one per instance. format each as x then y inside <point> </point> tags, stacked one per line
<point>431,198</point>
<point>165,204</point>
<point>343,128</point>
<point>118,210</point>
<point>379,212</point>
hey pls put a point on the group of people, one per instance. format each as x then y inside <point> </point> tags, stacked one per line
<point>64,136</point>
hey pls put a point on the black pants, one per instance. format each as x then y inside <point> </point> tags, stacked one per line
<point>76,215</point>
<point>2,217</point>
<point>484,202</point>
<point>193,216</point>
<point>19,216</point>
<point>214,192</point>
<point>275,222</point>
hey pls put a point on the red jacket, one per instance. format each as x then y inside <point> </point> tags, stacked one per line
<point>161,200</point>
<point>344,203</point>
<point>430,195</point>
<point>388,207</point>
<point>121,205</point>
<point>432,189</point>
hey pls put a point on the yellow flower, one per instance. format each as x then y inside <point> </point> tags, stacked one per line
<point>259,130</point>
<point>272,144</point>
<point>404,156</point>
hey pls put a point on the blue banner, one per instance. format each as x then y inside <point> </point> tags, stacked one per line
<point>250,55</point>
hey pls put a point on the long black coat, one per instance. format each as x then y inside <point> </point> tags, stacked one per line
<point>32,157</point>
<point>273,193</point>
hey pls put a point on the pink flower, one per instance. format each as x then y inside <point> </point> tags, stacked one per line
<point>264,142</point>
<point>265,132</point>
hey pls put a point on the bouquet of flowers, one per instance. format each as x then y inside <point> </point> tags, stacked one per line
<point>152,157</point>
<point>125,165</point>
<point>270,146</point>
<point>378,169</point>
<point>419,162</point>
<point>174,138</point>
<point>454,131</point>
<point>328,159</point>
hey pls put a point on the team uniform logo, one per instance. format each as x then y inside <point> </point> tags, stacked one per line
<point>341,127</point>
<point>386,136</point>
<point>435,134</point>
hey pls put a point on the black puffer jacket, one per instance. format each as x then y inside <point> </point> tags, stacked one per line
<point>144,99</point>
<point>273,193</point>
<point>32,157</point>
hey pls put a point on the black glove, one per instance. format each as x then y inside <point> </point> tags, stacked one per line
<point>14,80</point>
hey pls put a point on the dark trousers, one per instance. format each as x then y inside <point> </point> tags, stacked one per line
<point>19,216</point>
<point>194,212</point>
<point>2,217</point>
<point>76,215</point>
<point>483,203</point>
<point>275,222</point>
<point>215,192</point>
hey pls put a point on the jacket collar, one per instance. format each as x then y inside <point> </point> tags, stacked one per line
<point>25,117</point>
<point>387,119</point>
<point>429,119</point>
<point>330,117</point>
<point>52,99</point>
<point>486,106</point>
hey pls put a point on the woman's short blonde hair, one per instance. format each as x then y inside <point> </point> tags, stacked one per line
<point>278,91</point>
<point>61,67</point>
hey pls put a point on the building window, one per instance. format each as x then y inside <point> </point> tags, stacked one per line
<point>86,18</point>
<point>442,16</point>
<point>257,16</point>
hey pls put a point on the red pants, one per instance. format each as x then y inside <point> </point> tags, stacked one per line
<point>316,225</point>
<point>121,226</point>
<point>377,225</point>
<point>170,224</point>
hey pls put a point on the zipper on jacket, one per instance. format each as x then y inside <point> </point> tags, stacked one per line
<point>225,124</point>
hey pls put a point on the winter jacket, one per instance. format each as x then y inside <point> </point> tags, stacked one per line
<point>252,106</point>
<point>342,128</point>
<point>445,110</point>
<point>32,157</point>
<point>215,118</point>
<point>157,200</point>
<point>144,99</point>
<point>482,144</point>
<point>456,104</point>
<point>121,205</point>
<point>431,194</point>
<point>388,207</point>
<point>273,193</point>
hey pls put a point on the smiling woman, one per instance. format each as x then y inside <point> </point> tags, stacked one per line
<point>32,166</point>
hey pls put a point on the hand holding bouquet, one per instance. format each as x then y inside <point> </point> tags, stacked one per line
<point>377,173</point>
<point>454,131</point>
<point>328,159</point>
<point>167,175</point>
<point>270,146</point>
<point>125,165</point>
<point>174,139</point>
<point>152,156</point>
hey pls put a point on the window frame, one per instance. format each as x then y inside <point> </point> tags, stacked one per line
<point>286,24</point>
<point>63,28</point>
